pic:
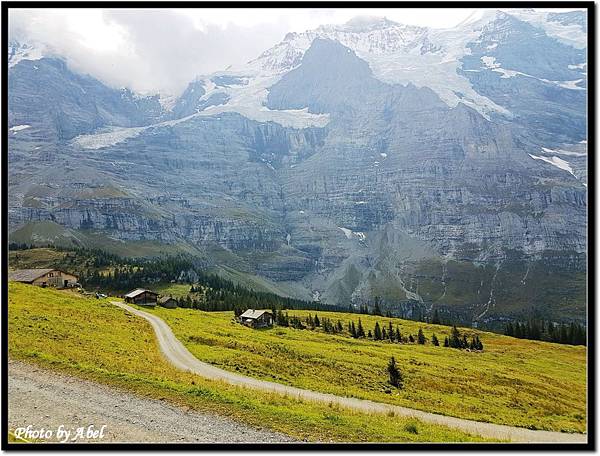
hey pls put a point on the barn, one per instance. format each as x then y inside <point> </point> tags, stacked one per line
<point>257,318</point>
<point>142,297</point>
<point>168,302</point>
<point>44,277</point>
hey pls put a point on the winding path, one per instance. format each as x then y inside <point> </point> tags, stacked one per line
<point>180,357</point>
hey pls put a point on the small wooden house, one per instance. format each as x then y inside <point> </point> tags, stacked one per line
<point>142,297</point>
<point>257,318</point>
<point>168,302</point>
<point>44,277</point>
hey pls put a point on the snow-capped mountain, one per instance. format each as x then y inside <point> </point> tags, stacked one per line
<point>434,167</point>
<point>404,54</point>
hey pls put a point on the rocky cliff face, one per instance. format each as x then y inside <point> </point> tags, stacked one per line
<point>324,165</point>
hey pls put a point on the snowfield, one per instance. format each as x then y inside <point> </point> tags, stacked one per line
<point>110,138</point>
<point>555,161</point>
<point>17,128</point>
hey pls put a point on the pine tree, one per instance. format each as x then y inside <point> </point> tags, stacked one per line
<point>446,342</point>
<point>317,321</point>
<point>421,337</point>
<point>398,335</point>
<point>370,334</point>
<point>434,340</point>
<point>377,331</point>
<point>353,330</point>
<point>411,338</point>
<point>394,374</point>
<point>360,332</point>
<point>455,341</point>
<point>383,334</point>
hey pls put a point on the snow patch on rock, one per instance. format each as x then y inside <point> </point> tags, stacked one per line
<point>555,161</point>
<point>106,139</point>
<point>17,128</point>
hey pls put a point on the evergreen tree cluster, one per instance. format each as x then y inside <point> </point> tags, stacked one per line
<point>380,332</point>
<point>560,333</point>
<point>460,341</point>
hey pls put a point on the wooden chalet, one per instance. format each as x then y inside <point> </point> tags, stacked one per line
<point>142,297</point>
<point>168,302</point>
<point>257,318</point>
<point>44,277</point>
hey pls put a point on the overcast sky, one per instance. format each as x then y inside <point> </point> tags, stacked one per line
<point>153,51</point>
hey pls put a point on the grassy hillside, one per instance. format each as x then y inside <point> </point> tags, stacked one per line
<point>519,382</point>
<point>95,340</point>
<point>36,258</point>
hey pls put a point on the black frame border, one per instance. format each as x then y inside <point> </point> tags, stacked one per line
<point>590,6</point>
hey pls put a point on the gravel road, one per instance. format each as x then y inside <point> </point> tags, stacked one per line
<point>47,400</point>
<point>180,357</point>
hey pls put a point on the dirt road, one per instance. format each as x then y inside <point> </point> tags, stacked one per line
<point>180,357</point>
<point>44,399</point>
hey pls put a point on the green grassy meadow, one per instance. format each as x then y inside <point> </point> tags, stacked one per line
<point>532,384</point>
<point>95,340</point>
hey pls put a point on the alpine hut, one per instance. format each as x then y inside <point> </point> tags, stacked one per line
<point>168,302</point>
<point>142,297</point>
<point>44,277</point>
<point>257,318</point>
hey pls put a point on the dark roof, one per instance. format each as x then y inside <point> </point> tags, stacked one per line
<point>27,275</point>
<point>138,291</point>
<point>253,314</point>
<point>165,299</point>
